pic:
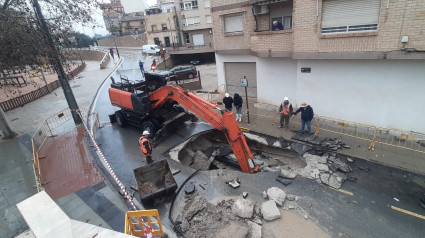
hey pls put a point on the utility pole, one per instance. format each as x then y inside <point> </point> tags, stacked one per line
<point>177,25</point>
<point>72,103</point>
<point>171,32</point>
<point>113,33</point>
<point>5,127</point>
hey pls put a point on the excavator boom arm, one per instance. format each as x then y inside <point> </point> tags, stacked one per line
<point>205,110</point>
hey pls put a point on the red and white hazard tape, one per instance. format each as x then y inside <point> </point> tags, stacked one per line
<point>148,230</point>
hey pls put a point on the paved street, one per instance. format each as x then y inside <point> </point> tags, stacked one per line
<point>363,210</point>
<point>366,208</point>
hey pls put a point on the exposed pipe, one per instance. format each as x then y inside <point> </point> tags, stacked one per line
<point>174,198</point>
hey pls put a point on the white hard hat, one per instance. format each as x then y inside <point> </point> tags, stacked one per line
<point>146,133</point>
<point>285,99</point>
<point>226,95</point>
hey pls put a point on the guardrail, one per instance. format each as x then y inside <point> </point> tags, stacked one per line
<point>52,125</point>
<point>374,135</point>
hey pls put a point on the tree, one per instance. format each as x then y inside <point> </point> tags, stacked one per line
<point>84,40</point>
<point>23,40</point>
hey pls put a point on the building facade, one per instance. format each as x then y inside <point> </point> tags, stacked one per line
<point>180,23</point>
<point>117,20</point>
<point>357,60</point>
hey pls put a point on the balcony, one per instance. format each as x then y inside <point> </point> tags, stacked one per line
<point>272,43</point>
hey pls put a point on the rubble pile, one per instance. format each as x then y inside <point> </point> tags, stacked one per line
<point>326,169</point>
<point>238,217</point>
<point>317,159</point>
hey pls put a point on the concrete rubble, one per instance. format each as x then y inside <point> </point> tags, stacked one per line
<point>270,211</point>
<point>236,218</point>
<point>254,230</point>
<point>277,195</point>
<point>243,208</point>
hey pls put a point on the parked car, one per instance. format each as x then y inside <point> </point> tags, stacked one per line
<point>195,62</point>
<point>152,49</point>
<point>184,71</point>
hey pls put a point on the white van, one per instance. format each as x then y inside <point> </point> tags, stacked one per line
<point>151,49</point>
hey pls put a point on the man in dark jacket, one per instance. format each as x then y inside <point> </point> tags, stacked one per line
<point>237,102</point>
<point>228,101</point>
<point>306,116</point>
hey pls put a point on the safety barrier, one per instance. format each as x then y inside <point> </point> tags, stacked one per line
<point>401,139</point>
<point>137,221</point>
<point>347,128</point>
<point>51,126</point>
<point>408,140</point>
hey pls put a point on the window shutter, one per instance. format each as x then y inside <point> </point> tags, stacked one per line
<point>350,12</point>
<point>233,24</point>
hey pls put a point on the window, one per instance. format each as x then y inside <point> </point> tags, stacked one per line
<point>164,27</point>
<point>207,3</point>
<point>233,24</point>
<point>191,21</point>
<point>345,16</point>
<point>189,5</point>
<point>154,28</point>
<point>287,22</point>
<point>186,36</point>
<point>208,19</point>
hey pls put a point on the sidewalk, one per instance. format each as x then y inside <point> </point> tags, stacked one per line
<point>261,121</point>
<point>92,201</point>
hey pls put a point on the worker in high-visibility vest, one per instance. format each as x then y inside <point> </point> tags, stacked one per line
<point>285,111</point>
<point>146,147</point>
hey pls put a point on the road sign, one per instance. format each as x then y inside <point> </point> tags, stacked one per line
<point>244,82</point>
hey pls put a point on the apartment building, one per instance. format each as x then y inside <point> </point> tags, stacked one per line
<point>357,60</point>
<point>182,22</point>
<point>162,25</point>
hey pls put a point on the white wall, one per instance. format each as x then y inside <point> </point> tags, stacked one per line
<point>384,93</point>
<point>276,79</point>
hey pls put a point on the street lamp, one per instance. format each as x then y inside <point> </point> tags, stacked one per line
<point>113,33</point>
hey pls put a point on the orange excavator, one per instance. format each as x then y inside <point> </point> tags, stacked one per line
<point>152,104</point>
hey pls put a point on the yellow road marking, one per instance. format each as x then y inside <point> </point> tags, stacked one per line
<point>407,212</point>
<point>342,191</point>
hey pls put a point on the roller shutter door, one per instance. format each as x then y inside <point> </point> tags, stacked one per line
<point>233,74</point>
<point>350,12</point>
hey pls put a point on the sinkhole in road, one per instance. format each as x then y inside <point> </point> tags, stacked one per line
<point>209,150</point>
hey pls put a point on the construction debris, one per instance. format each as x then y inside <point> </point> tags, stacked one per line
<point>243,208</point>
<point>287,174</point>
<point>270,211</point>
<point>284,181</point>
<point>254,230</point>
<point>234,183</point>
<point>277,195</point>
<point>189,188</point>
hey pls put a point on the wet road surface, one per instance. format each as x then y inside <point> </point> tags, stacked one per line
<point>361,209</point>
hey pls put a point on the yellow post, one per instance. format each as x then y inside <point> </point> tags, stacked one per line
<point>372,144</point>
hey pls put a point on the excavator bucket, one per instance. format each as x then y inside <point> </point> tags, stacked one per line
<point>155,180</point>
<point>169,126</point>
